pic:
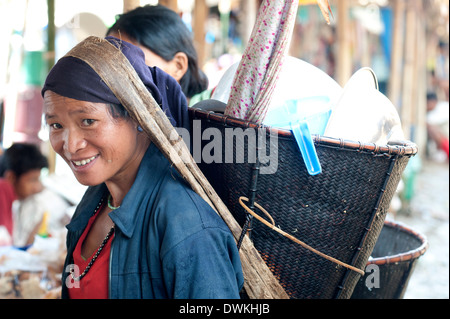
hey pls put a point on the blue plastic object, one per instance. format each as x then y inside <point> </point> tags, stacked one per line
<point>304,117</point>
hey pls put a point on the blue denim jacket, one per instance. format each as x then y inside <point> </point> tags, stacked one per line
<point>168,243</point>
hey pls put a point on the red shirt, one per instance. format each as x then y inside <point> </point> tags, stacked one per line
<point>7,197</point>
<point>94,285</point>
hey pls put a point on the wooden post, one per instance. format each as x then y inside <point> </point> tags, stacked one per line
<point>344,58</point>
<point>51,31</point>
<point>249,11</point>
<point>129,5</point>
<point>420,137</point>
<point>171,4</point>
<point>199,19</point>
<point>224,13</point>
<point>409,79</point>
<point>395,82</point>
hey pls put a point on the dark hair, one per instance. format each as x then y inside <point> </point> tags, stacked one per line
<point>162,31</point>
<point>21,158</point>
<point>118,111</point>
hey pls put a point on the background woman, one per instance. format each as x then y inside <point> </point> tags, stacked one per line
<point>166,42</point>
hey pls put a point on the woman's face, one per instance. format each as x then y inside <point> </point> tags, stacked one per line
<point>97,147</point>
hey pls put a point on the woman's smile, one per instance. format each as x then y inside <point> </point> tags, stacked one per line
<point>81,164</point>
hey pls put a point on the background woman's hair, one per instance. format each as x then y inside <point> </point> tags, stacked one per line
<point>162,31</point>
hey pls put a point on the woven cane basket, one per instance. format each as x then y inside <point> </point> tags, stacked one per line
<point>395,255</point>
<point>339,212</point>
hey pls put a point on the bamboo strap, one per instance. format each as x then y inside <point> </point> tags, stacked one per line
<point>278,230</point>
<point>118,74</point>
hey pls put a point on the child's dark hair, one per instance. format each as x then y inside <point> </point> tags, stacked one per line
<point>21,158</point>
<point>162,31</point>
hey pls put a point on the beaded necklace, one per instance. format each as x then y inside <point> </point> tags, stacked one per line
<point>100,248</point>
<point>110,205</point>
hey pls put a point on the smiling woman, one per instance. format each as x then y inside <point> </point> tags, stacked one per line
<point>138,222</point>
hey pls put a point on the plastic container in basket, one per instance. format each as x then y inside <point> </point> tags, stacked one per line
<point>394,257</point>
<point>339,212</point>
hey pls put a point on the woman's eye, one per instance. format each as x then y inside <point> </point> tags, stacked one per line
<point>88,122</point>
<point>55,126</point>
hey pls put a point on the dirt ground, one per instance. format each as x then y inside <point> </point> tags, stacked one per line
<point>428,213</point>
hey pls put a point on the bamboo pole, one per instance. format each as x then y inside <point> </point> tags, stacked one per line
<point>51,32</point>
<point>129,5</point>
<point>171,4</point>
<point>249,11</point>
<point>344,58</point>
<point>124,82</point>
<point>408,72</point>
<point>395,82</point>
<point>421,76</point>
<point>199,20</point>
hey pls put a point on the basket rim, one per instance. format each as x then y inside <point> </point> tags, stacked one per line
<point>406,256</point>
<point>402,148</point>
